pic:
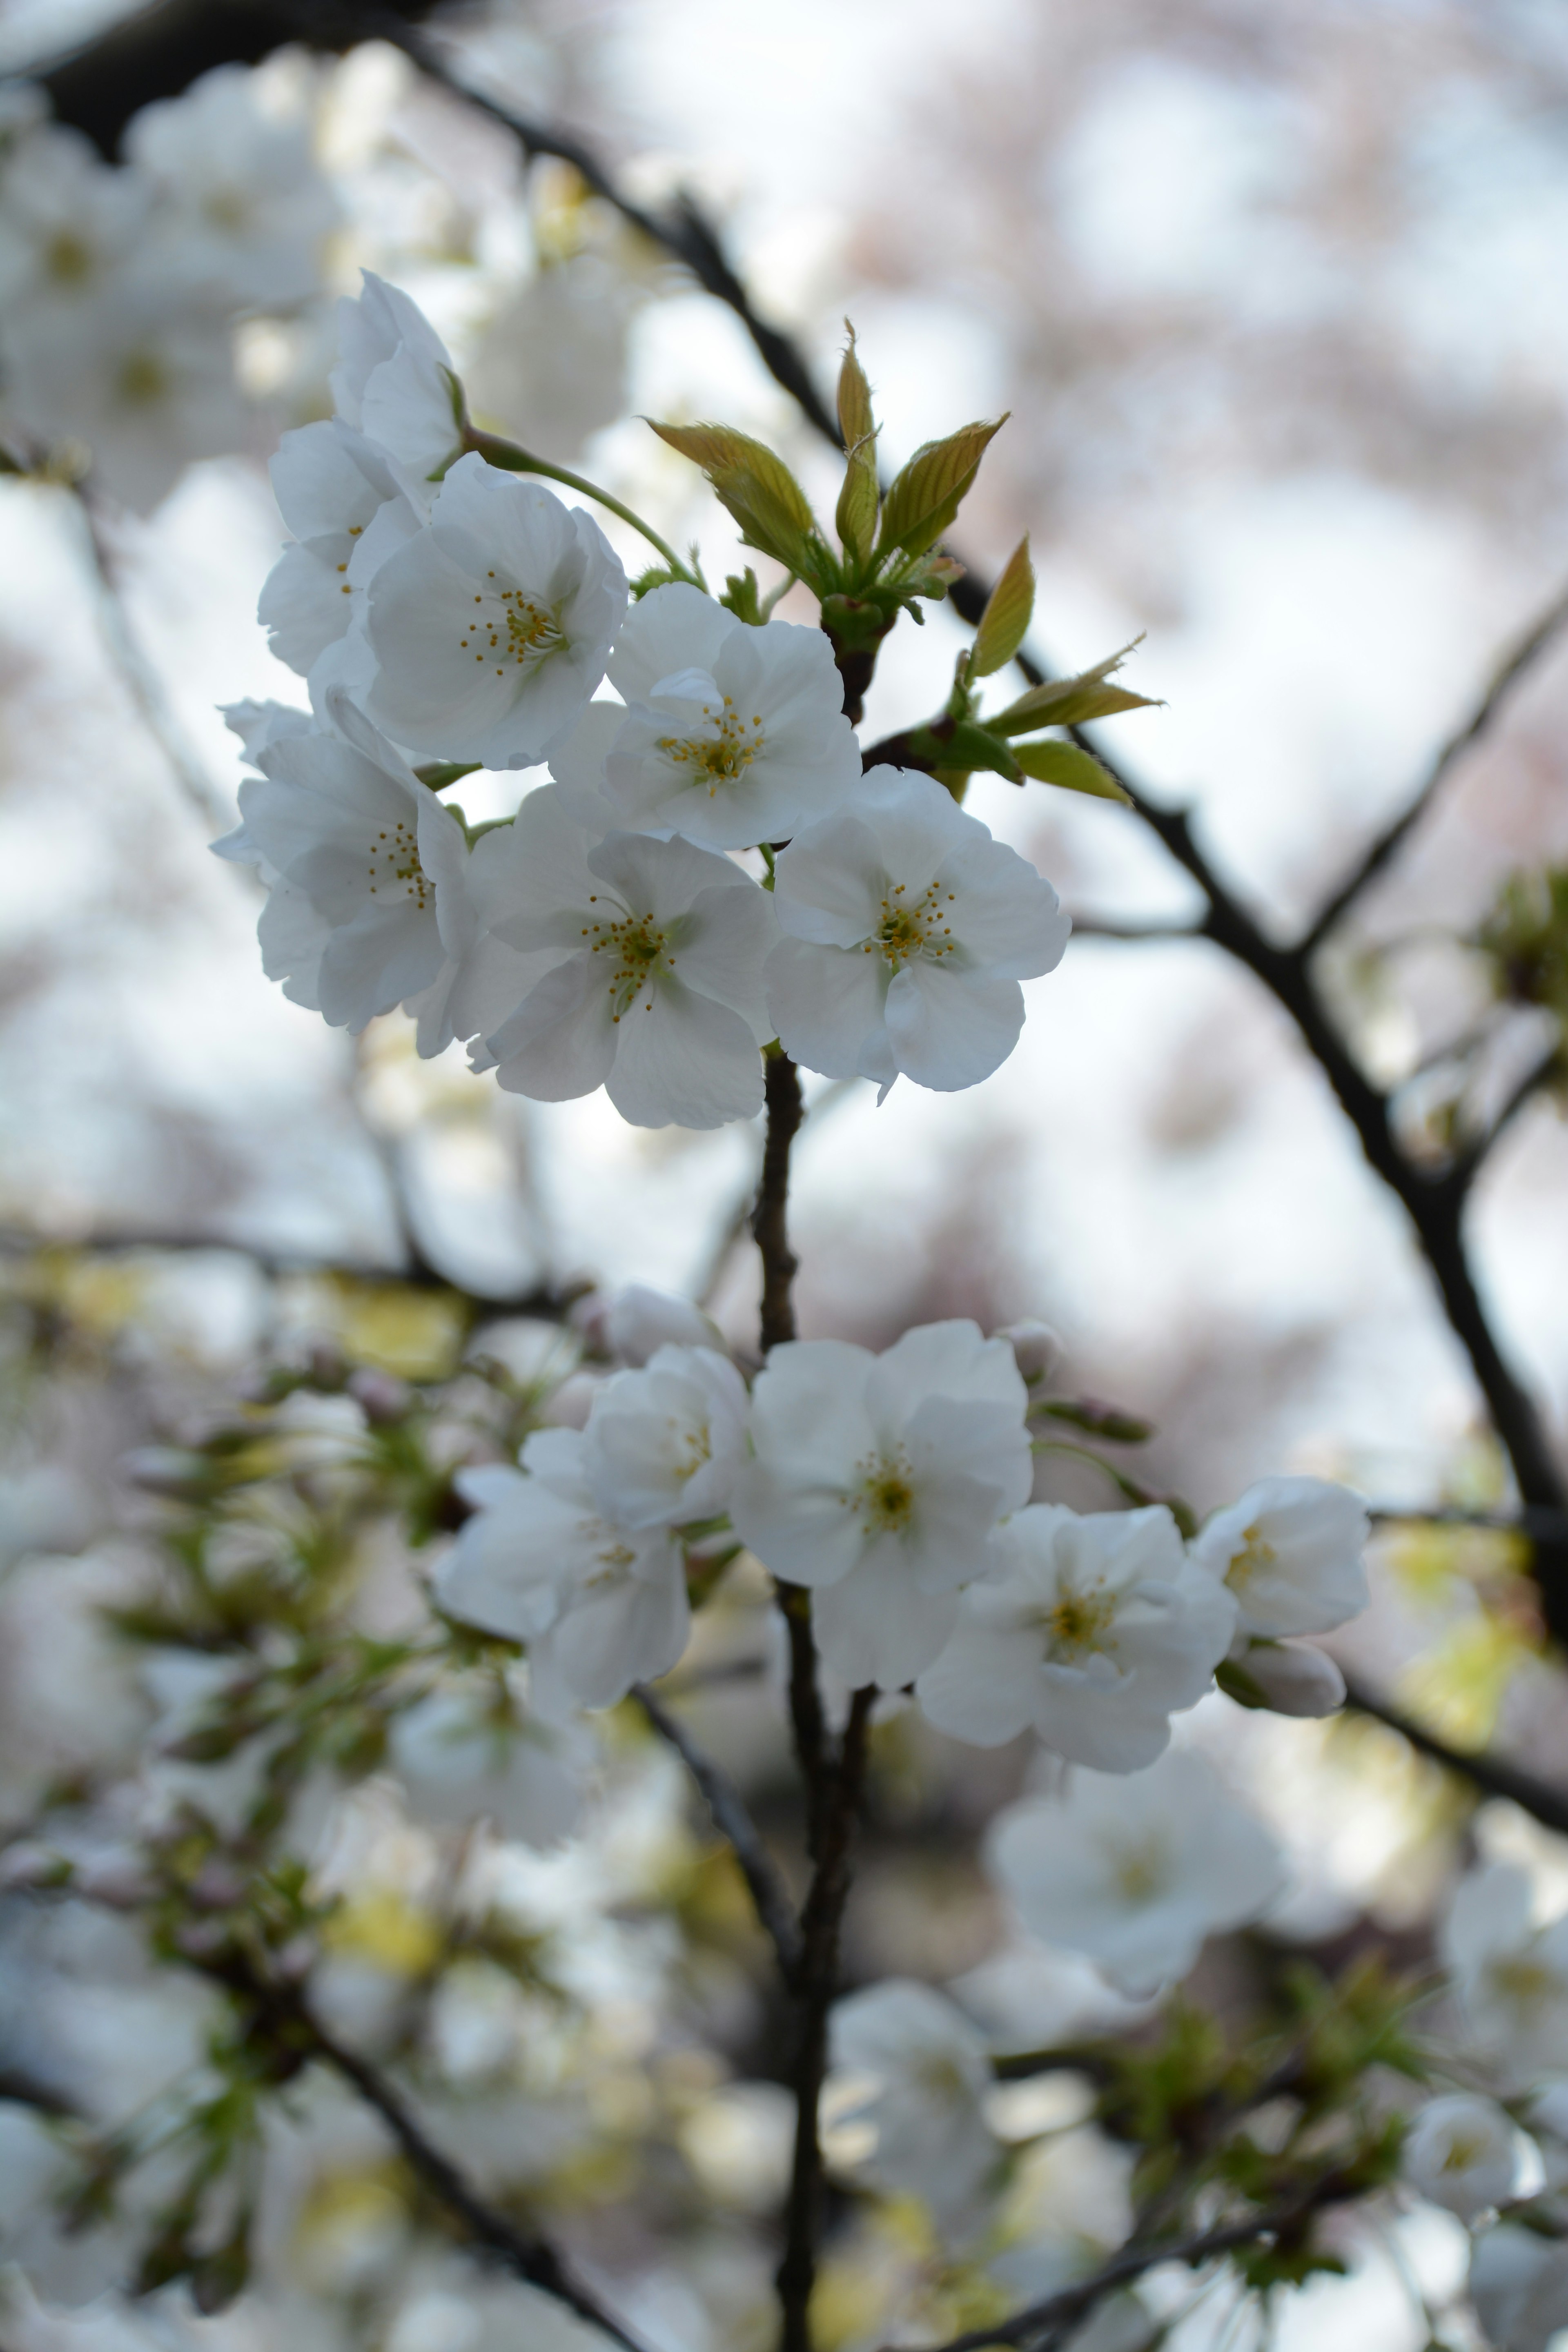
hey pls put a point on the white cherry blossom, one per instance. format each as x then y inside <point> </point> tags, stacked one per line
<point>70,223</point>
<point>924,2073</point>
<point>639,1322</point>
<point>600,1606</point>
<point>1287,1677</point>
<point>664,1444</point>
<point>466,1752</point>
<point>1135,1872</point>
<point>656,989</point>
<point>341,496</point>
<point>732,735</point>
<point>244,209</point>
<point>395,383</point>
<point>908,929</point>
<point>1509,1973</point>
<point>1290,1552</point>
<point>1094,1630</point>
<point>1462,2152</point>
<point>880,1479</point>
<point>1519,2284</point>
<point>489,630</point>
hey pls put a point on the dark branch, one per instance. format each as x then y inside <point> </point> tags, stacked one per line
<point>770,1896</point>
<point>821,1922</point>
<point>1073,2303</point>
<point>1541,1072</point>
<point>769,1218</point>
<point>1385,846</point>
<point>1489,1774</point>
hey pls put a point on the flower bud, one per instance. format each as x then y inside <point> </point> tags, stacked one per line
<point>1462,2152</point>
<point>1289,1677</point>
<point>1036,1346</point>
<point>639,1321</point>
<point>570,1403</point>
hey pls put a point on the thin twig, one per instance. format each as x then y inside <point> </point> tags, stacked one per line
<point>1534,641</point>
<point>1491,1774</point>
<point>769,1225</point>
<point>1541,1072</point>
<point>818,1981</point>
<point>1073,2303</point>
<point>770,1896</point>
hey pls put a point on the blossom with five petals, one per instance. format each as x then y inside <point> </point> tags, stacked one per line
<point>925,2072</point>
<point>1462,2151</point>
<point>656,989</point>
<point>1509,1973</point>
<point>600,1606</point>
<point>880,1480</point>
<point>1290,1552</point>
<point>663,1445</point>
<point>1135,1872</point>
<point>489,630</point>
<point>1095,1631</point>
<point>394,382</point>
<point>341,496</point>
<point>908,929</point>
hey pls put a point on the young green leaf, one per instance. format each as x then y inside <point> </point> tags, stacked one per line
<point>1007,616</point>
<point>753,485</point>
<point>856,421</point>
<point>928,491</point>
<point>1075,771</point>
<point>1069,701</point>
<point>856,519</point>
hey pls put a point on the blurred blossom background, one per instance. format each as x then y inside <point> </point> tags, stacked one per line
<point>1272,291</point>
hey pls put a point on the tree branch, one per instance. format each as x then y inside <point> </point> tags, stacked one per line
<point>1374,859</point>
<point>1466,1169</point>
<point>1072,2303</point>
<point>818,1981</point>
<point>770,1896</point>
<point>769,1218</point>
<point>1489,1774</point>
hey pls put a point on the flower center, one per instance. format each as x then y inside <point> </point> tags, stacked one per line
<point>1464,2149</point>
<point>1138,1872</point>
<point>914,926</point>
<point>395,869</point>
<point>68,257</point>
<point>521,631</point>
<point>1077,1623</point>
<point>616,1561</point>
<point>1526,1983</point>
<point>636,948</point>
<point>227,209</point>
<point>884,1497</point>
<point>693,1450</point>
<point>943,2079</point>
<point>1255,1554</point>
<point>722,755</point>
<point>142,379</point>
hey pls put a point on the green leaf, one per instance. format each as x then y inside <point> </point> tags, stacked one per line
<point>856,421</point>
<point>928,491</point>
<point>960,743</point>
<point>1008,610</point>
<point>752,485</point>
<point>1069,701</point>
<point>1075,771</point>
<point>439,773</point>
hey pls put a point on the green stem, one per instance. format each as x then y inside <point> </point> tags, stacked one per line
<point>511,459</point>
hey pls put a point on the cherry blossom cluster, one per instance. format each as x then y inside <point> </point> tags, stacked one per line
<point>120,284</point>
<point>448,615</point>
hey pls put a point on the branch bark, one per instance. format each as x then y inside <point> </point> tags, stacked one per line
<point>821,1922</point>
<point>1491,1774</point>
<point>785,1110</point>
<point>770,1896</point>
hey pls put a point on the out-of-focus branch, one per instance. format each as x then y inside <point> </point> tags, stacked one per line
<point>816,1982</point>
<point>1491,1774</point>
<point>1379,852</point>
<point>770,1896</point>
<point>1040,2324</point>
<point>1546,1067</point>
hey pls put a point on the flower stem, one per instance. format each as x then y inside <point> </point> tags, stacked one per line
<point>497,451</point>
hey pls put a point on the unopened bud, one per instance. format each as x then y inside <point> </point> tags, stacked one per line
<point>1285,1677</point>
<point>1036,1346</point>
<point>569,1406</point>
<point>640,1321</point>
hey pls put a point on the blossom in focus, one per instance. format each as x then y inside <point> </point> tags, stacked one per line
<point>927,2070</point>
<point>1511,1976</point>
<point>656,989</point>
<point>1093,1630</point>
<point>394,382</point>
<point>369,903</point>
<point>878,1479</point>
<point>1462,2151</point>
<point>489,630</point>
<point>244,210</point>
<point>663,1445</point>
<point>1290,1552</point>
<point>908,929</point>
<point>1135,1872</point>
<point>732,735</point>
<point>463,1753</point>
<point>1519,2284</point>
<point>337,494</point>
<point>600,1606</point>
